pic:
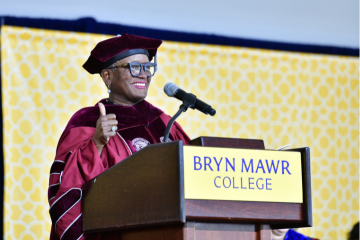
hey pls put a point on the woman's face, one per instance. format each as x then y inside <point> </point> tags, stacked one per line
<point>126,89</point>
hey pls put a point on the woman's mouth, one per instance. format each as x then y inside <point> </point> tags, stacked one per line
<point>139,85</point>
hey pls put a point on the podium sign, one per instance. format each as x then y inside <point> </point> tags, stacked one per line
<point>212,173</point>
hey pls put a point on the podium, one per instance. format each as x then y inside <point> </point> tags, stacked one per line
<point>142,197</point>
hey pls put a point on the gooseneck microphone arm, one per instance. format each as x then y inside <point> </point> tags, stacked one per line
<point>188,102</point>
<point>171,122</point>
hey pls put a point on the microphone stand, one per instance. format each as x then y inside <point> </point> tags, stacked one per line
<point>189,101</point>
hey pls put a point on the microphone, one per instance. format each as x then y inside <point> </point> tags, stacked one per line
<point>172,90</point>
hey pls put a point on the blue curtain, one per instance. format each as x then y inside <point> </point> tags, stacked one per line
<point>90,25</point>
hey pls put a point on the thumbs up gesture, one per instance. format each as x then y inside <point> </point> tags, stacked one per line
<point>106,127</point>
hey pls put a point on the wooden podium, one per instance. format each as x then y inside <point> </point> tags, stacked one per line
<point>142,197</point>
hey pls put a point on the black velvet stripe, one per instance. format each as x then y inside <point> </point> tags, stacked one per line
<point>124,55</point>
<point>90,25</point>
<point>57,167</point>
<point>52,191</point>
<point>64,203</point>
<point>73,232</point>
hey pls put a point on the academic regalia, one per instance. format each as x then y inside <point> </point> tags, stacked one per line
<point>77,159</point>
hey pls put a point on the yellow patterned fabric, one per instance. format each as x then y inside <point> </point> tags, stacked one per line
<point>282,97</point>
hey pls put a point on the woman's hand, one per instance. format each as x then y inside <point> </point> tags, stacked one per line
<point>278,234</point>
<point>104,128</point>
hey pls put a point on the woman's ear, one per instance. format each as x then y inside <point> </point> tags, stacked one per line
<point>106,76</point>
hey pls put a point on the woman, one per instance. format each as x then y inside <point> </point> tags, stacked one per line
<point>98,137</point>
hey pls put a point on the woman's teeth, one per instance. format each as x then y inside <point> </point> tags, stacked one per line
<point>140,84</point>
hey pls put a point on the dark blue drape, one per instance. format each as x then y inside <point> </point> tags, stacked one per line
<point>90,25</point>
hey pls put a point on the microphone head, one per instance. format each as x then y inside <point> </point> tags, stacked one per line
<point>170,89</point>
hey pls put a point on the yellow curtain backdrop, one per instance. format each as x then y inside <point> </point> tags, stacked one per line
<point>282,97</point>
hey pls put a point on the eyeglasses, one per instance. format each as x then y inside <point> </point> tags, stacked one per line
<point>136,68</point>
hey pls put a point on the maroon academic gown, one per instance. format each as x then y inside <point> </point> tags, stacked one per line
<point>77,159</point>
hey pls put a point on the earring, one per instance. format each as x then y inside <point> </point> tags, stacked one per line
<point>109,91</point>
